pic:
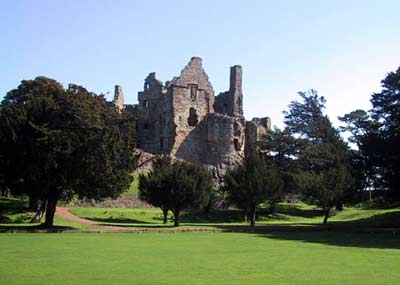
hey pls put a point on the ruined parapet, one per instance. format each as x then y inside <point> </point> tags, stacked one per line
<point>185,120</point>
<point>218,142</point>
<point>192,98</point>
<point>152,91</point>
<point>235,89</point>
<point>118,100</point>
<point>154,113</point>
<point>256,130</point>
<point>231,102</point>
<point>225,139</point>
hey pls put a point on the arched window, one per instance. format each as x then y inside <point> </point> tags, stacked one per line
<point>193,91</point>
<point>192,120</point>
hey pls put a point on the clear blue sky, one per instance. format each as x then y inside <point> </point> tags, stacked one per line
<point>340,48</point>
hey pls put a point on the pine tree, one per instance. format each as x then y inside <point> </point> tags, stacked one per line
<point>322,156</point>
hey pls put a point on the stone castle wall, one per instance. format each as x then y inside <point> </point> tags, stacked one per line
<point>184,119</point>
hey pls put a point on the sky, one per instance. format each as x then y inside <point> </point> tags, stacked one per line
<point>342,49</point>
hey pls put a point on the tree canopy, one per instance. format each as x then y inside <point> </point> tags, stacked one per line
<point>58,142</point>
<point>175,185</point>
<point>255,181</point>
<point>377,135</point>
<point>322,156</point>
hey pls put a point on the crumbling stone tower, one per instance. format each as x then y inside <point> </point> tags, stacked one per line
<point>118,100</point>
<point>184,119</point>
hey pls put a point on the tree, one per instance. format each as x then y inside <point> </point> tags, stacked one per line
<point>58,143</point>
<point>175,186</point>
<point>378,137</point>
<point>154,187</point>
<point>255,181</point>
<point>322,154</point>
<point>363,131</point>
<point>386,113</point>
<point>283,147</point>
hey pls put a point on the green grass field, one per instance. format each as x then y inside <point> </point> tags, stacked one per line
<point>360,245</point>
<point>200,258</point>
<point>287,214</point>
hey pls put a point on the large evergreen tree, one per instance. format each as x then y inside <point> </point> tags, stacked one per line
<point>56,143</point>
<point>255,181</point>
<point>377,136</point>
<point>175,186</point>
<point>386,113</point>
<point>322,156</point>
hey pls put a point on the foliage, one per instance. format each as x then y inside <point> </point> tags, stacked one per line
<point>175,186</point>
<point>386,112</point>
<point>283,147</point>
<point>322,156</point>
<point>252,183</point>
<point>57,142</point>
<point>378,137</point>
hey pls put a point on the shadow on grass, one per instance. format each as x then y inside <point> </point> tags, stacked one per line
<point>379,231</point>
<point>298,211</point>
<point>213,216</point>
<point>112,220</point>
<point>12,206</point>
<point>329,236</point>
<point>33,228</point>
<point>139,225</point>
<point>384,220</point>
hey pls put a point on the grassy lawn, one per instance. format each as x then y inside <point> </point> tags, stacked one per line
<point>14,215</point>
<point>134,187</point>
<point>200,258</point>
<point>287,214</point>
<point>289,247</point>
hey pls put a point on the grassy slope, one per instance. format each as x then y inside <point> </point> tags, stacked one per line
<point>198,258</point>
<point>286,215</point>
<point>13,214</point>
<point>134,187</point>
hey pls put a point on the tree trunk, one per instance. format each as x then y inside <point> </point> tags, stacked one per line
<point>165,215</point>
<point>326,216</point>
<point>176,217</point>
<point>253,216</point>
<point>339,207</point>
<point>50,210</point>
<point>272,207</point>
<point>4,191</point>
<point>34,203</point>
<point>39,213</point>
<point>246,213</point>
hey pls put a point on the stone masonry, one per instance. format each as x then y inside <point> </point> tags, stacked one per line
<point>184,119</point>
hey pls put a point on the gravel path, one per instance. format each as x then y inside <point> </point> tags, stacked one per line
<point>66,214</point>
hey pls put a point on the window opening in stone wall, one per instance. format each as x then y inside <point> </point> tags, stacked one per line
<point>161,144</point>
<point>193,91</point>
<point>145,103</point>
<point>236,144</point>
<point>145,126</point>
<point>192,120</point>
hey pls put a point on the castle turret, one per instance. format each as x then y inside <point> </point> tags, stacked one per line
<point>118,100</point>
<point>235,90</point>
<point>231,102</point>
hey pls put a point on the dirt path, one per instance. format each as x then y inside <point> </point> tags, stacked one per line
<point>66,214</point>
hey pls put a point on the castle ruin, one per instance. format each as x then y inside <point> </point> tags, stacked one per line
<point>184,119</point>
